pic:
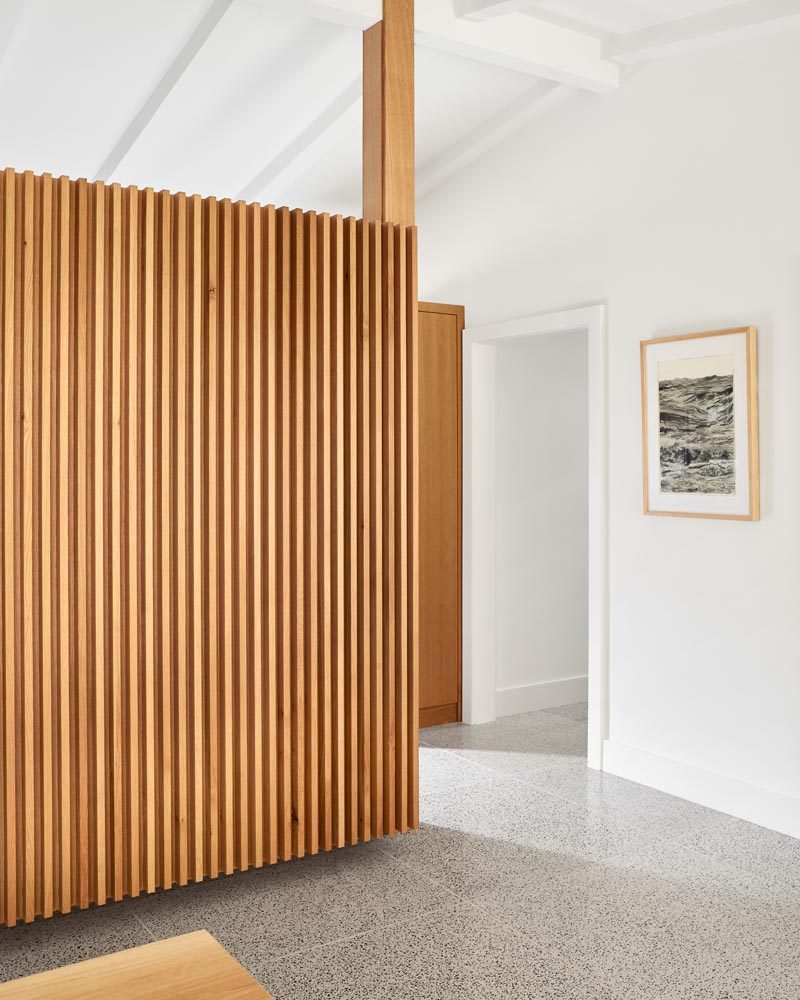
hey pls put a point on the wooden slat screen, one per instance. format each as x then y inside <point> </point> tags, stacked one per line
<point>208,534</point>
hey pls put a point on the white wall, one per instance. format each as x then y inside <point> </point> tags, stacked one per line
<point>542,510</point>
<point>677,201</point>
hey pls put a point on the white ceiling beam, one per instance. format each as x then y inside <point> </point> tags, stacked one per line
<point>529,105</point>
<point>309,147</point>
<point>360,14</point>
<point>737,21</point>
<point>484,10</point>
<point>526,44</point>
<point>164,88</point>
<point>10,11</point>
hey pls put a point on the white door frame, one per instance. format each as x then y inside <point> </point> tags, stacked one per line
<point>479,628</point>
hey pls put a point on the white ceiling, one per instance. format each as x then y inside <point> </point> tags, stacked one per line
<point>261,91</point>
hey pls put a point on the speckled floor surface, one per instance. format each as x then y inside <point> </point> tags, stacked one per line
<point>531,878</point>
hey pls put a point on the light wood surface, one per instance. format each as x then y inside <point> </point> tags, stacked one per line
<point>440,332</point>
<point>209,555</point>
<point>754,480</point>
<point>388,127</point>
<point>190,967</point>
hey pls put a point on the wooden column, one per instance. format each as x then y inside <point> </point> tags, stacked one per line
<point>390,198</point>
<point>389,194</point>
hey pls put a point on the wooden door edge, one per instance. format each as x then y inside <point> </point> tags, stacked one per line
<point>449,309</point>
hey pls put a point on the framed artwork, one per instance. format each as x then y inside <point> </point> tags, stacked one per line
<point>700,425</point>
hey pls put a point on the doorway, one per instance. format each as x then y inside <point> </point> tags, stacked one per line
<point>484,546</point>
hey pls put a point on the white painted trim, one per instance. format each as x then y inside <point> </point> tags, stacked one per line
<point>717,791</point>
<point>478,556</point>
<point>598,730</point>
<point>479,628</point>
<point>485,10</point>
<point>735,22</point>
<point>544,694</point>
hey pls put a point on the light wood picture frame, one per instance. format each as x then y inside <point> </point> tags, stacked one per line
<point>700,425</point>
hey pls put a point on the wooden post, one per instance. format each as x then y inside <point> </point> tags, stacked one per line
<point>388,153</point>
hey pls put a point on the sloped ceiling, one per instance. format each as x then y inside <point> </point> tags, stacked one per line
<point>260,86</point>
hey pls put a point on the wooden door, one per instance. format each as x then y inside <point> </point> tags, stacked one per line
<point>440,330</point>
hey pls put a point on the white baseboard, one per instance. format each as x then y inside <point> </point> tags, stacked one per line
<point>717,791</point>
<point>545,694</point>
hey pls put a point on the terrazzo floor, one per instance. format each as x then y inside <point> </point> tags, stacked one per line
<point>532,877</point>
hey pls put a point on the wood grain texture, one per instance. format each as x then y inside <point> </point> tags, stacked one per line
<point>209,539</point>
<point>439,715</point>
<point>189,967</point>
<point>440,332</point>
<point>388,118</point>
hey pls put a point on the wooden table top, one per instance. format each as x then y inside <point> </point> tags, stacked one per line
<point>189,967</point>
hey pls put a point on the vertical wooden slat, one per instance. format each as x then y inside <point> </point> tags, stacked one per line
<point>134,544</point>
<point>297,524</point>
<point>83,611</point>
<point>365,580</point>
<point>165,533</point>
<point>273,763</point>
<point>387,467</point>
<point>65,555</point>
<point>325,530</point>
<point>198,789</point>
<point>35,502</point>
<point>338,596</point>
<point>228,450</point>
<point>212,674</point>
<point>5,834</point>
<point>242,368</point>
<point>151,516</point>
<point>351,534</point>
<point>227,499</point>
<point>180,720</point>
<point>413,555</point>
<point>373,474</point>
<point>9,534</point>
<point>311,556</point>
<point>98,698</point>
<point>284,575</point>
<point>115,557</point>
<point>46,312</point>
<point>401,465</point>
<point>28,667</point>
<point>255,335</point>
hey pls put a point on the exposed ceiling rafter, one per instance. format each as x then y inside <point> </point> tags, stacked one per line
<point>164,88</point>
<point>736,21</point>
<point>484,10</point>
<point>531,104</point>
<point>519,42</point>
<point>10,15</point>
<point>340,117</point>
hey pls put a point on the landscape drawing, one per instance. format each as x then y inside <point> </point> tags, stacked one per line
<point>696,427</point>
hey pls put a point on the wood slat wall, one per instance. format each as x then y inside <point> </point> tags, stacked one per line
<point>208,538</point>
